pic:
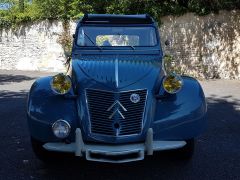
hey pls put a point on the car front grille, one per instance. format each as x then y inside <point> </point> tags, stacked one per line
<point>114,114</point>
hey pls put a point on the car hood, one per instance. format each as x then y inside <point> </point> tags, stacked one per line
<point>115,71</point>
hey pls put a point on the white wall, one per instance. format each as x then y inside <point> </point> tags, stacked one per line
<point>33,47</point>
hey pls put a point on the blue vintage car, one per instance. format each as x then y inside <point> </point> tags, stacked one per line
<point>117,104</point>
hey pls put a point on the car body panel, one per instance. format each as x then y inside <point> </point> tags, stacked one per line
<point>45,107</point>
<point>168,117</point>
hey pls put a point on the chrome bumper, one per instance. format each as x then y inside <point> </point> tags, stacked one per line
<point>114,153</point>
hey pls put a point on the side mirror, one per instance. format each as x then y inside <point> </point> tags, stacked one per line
<point>169,41</point>
<point>68,54</point>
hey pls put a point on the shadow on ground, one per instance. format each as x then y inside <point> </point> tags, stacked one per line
<point>10,78</point>
<point>9,95</point>
<point>217,154</point>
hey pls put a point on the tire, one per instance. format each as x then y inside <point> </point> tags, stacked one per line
<point>183,154</point>
<point>42,154</point>
<point>187,151</point>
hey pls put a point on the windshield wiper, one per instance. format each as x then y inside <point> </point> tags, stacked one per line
<point>92,41</point>
<point>127,45</point>
<point>132,47</point>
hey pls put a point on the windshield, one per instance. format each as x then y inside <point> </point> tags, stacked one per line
<point>117,36</point>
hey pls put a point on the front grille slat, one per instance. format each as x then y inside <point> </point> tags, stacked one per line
<point>101,123</point>
<point>127,123</point>
<point>99,128</point>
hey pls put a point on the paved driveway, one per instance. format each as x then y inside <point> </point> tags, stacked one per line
<point>217,154</point>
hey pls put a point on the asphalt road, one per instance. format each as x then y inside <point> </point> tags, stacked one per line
<point>217,154</point>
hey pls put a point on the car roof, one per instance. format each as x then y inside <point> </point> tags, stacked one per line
<point>116,19</point>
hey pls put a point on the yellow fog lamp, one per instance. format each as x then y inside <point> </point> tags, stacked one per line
<point>61,84</point>
<point>172,83</point>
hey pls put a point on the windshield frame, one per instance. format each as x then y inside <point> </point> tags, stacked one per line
<point>116,47</point>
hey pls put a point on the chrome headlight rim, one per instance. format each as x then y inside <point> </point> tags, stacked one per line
<point>66,123</point>
<point>176,75</point>
<point>65,76</point>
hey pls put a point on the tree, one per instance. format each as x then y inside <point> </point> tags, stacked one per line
<point>49,9</point>
<point>21,5</point>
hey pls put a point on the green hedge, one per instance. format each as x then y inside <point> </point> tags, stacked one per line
<point>73,9</point>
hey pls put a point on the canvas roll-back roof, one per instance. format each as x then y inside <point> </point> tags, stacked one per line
<point>116,19</point>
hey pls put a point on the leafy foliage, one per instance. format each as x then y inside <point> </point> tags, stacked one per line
<point>23,11</point>
<point>65,39</point>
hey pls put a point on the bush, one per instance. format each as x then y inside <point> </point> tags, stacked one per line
<point>72,9</point>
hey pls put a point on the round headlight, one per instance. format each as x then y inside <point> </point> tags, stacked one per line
<point>61,128</point>
<point>172,83</point>
<point>61,84</point>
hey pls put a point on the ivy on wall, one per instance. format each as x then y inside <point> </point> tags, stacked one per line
<point>65,39</point>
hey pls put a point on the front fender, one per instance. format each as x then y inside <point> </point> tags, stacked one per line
<point>182,115</point>
<point>44,108</point>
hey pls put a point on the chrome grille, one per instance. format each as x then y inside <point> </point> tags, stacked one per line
<point>104,118</point>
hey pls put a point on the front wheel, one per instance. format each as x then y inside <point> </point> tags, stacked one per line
<point>187,151</point>
<point>47,157</point>
<point>50,157</point>
<point>183,154</point>
<point>40,152</point>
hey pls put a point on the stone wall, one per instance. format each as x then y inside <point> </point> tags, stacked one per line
<point>203,46</point>
<point>33,47</point>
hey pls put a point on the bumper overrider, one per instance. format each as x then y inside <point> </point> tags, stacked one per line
<point>114,153</point>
